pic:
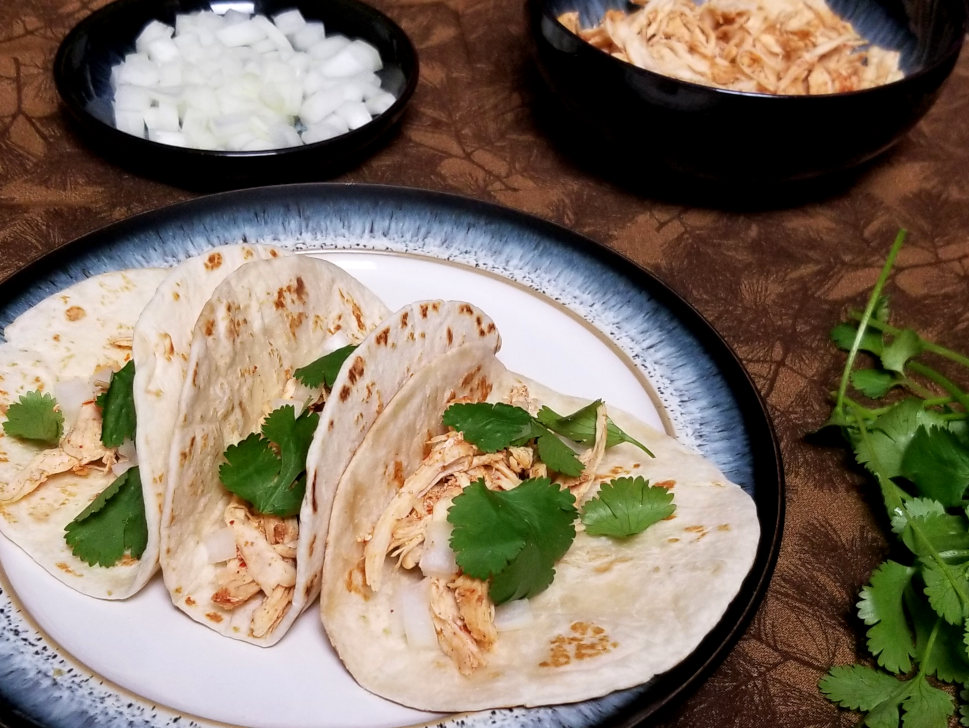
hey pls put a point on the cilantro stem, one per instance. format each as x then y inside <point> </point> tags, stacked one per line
<point>929,373</point>
<point>866,317</point>
<point>928,346</point>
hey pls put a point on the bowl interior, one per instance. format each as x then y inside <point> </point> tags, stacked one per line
<point>83,65</point>
<point>924,31</point>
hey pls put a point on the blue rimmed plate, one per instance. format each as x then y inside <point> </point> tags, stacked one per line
<point>572,314</point>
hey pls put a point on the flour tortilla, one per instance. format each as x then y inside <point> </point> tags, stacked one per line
<point>69,336</point>
<point>283,314</point>
<point>617,612</point>
<point>160,347</point>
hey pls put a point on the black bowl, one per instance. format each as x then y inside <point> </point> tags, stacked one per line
<point>731,138</point>
<point>82,69</point>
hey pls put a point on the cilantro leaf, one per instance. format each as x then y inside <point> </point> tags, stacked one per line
<point>35,417</point>
<point>937,644</point>
<point>558,456</point>
<point>858,687</point>
<point>626,506</point>
<point>323,371</point>
<point>118,407</point>
<point>904,346</point>
<point>925,528</point>
<point>843,336</point>
<point>938,463</point>
<point>513,537</point>
<point>882,607</point>
<point>874,383</point>
<point>926,706</point>
<point>269,470</point>
<point>943,584</point>
<point>580,426</point>
<point>492,427</point>
<point>890,436</point>
<point>113,523</point>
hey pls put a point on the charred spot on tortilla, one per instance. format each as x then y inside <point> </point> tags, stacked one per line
<point>209,327</point>
<point>356,370</point>
<point>382,336</point>
<point>295,292</point>
<point>450,336</point>
<point>214,616</point>
<point>425,307</point>
<point>356,583</point>
<point>189,601</point>
<point>75,313</point>
<point>214,261</point>
<point>585,641</point>
<point>296,321</point>
<point>403,319</point>
<point>345,393</point>
<point>398,475</point>
<point>66,569</point>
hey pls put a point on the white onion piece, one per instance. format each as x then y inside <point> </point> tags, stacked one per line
<point>70,395</point>
<point>413,601</point>
<point>220,545</point>
<point>127,451</point>
<point>121,467</point>
<point>244,82</point>
<point>437,558</point>
<point>514,615</point>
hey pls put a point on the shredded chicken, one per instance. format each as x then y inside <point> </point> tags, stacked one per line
<point>80,446</point>
<point>265,564</point>
<point>766,46</point>
<point>452,633</point>
<point>461,609</point>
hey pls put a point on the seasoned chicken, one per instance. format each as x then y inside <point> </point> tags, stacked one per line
<point>78,447</point>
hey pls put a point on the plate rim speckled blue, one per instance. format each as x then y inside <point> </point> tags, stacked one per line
<point>682,355</point>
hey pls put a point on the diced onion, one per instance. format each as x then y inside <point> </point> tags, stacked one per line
<point>241,82</point>
<point>70,395</point>
<point>515,615</point>
<point>437,557</point>
<point>414,606</point>
<point>220,545</point>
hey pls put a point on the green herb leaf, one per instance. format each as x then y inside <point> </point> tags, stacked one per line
<point>937,644</point>
<point>323,371</point>
<point>118,407</point>
<point>874,383</point>
<point>843,336</point>
<point>580,426</point>
<point>937,461</point>
<point>34,416</point>
<point>926,706</point>
<point>882,607</point>
<point>858,687</point>
<point>903,347</point>
<point>890,435</point>
<point>943,584</point>
<point>113,524</point>
<point>626,506</point>
<point>493,427</point>
<point>269,470</point>
<point>513,537</point>
<point>558,456</point>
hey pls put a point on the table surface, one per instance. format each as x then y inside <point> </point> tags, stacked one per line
<point>772,281</point>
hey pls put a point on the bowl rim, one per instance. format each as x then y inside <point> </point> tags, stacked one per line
<point>408,61</point>
<point>542,11</point>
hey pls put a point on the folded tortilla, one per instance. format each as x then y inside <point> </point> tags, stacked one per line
<point>67,341</point>
<point>261,324</point>
<point>617,613</point>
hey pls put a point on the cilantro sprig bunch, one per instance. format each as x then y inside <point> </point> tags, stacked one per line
<point>906,421</point>
<point>514,538</point>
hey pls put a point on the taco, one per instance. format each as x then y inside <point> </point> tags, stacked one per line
<point>604,577</point>
<point>68,495</point>
<point>136,324</point>
<point>238,553</point>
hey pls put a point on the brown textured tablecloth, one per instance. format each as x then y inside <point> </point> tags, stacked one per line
<point>773,282</point>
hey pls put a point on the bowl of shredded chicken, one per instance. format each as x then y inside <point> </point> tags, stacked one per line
<point>742,90</point>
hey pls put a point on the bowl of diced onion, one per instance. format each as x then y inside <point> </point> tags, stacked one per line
<point>743,94</point>
<point>220,93</point>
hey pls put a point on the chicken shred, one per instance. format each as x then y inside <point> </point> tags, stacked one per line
<point>766,46</point>
<point>265,563</point>
<point>80,446</point>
